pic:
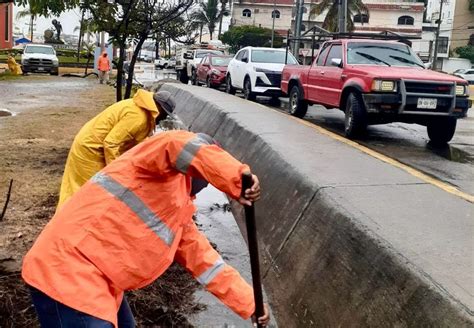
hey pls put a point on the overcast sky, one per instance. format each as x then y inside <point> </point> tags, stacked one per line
<point>69,20</point>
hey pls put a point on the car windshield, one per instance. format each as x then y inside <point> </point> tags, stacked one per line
<point>272,56</point>
<point>39,50</point>
<point>200,54</point>
<point>386,54</point>
<point>220,61</point>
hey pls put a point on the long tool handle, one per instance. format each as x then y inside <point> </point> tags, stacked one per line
<point>253,249</point>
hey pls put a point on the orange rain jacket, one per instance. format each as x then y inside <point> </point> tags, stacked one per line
<point>127,225</point>
<point>104,138</point>
<point>103,63</point>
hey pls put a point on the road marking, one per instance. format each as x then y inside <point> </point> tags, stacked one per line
<point>418,174</point>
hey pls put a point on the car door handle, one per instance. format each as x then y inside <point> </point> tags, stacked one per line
<point>322,72</point>
<point>343,76</point>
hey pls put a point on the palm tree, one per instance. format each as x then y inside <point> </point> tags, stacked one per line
<point>208,14</point>
<point>224,12</point>
<point>354,7</point>
<point>28,12</point>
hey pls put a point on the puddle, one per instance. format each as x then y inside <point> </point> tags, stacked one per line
<point>218,224</point>
<point>451,153</point>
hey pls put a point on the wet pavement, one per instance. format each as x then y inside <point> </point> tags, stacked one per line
<point>406,143</point>
<point>39,91</point>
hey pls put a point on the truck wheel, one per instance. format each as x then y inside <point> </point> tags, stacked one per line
<point>441,131</point>
<point>194,80</point>
<point>355,123</point>
<point>228,86</point>
<point>183,76</point>
<point>248,94</point>
<point>297,106</point>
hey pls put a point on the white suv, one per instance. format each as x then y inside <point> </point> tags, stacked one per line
<point>257,71</point>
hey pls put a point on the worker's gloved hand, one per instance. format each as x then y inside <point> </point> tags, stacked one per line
<point>252,194</point>
<point>263,320</point>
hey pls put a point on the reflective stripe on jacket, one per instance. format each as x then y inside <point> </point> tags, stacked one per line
<point>126,226</point>
<point>104,138</point>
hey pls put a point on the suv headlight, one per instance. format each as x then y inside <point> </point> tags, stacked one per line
<point>215,71</point>
<point>384,86</point>
<point>462,90</point>
<point>261,70</point>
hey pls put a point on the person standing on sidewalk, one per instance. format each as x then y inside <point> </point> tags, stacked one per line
<point>127,225</point>
<point>103,66</point>
<point>111,133</point>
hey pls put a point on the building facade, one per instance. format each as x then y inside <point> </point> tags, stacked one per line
<point>6,26</point>
<point>463,25</point>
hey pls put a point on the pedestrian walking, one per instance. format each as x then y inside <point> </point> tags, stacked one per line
<point>103,66</point>
<point>111,133</point>
<point>127,225</point>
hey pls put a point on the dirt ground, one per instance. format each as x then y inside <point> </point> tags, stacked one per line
<point>34,145</point>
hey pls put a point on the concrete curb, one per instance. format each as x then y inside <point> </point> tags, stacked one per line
<point>346,239</point>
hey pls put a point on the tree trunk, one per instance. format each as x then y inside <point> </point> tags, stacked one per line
<point>157,47</point>
<point>118,91</point>
<point>128,90</point>
<point>220,27</point>
<point>81,32</point>
<point>200,33</point>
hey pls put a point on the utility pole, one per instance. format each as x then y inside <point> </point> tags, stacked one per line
<point>342,13</point>
<point>434,66</point>
<point>273,23</point>
<point>298,22</point>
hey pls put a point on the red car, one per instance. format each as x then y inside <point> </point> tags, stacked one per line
<point>212,70</point>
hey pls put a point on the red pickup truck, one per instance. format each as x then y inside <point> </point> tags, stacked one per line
<point>377,82</point>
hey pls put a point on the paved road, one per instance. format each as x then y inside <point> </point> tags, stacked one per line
<point>406,143</point>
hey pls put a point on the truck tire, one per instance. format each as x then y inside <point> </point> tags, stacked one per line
<point>182,76</point>
<point>194,80</point>
<point>228,86</point>
<point>297,106</point>
<point>441,130</point>
<point>355,122</point>
<point>248,94</point>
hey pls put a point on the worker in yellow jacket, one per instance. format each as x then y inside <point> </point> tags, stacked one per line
<point>127,225</point>
<point>13,66</point>
<point>111,133</point>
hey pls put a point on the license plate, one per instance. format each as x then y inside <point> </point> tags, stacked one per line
<point>427,103</point>
<point>40,69</point>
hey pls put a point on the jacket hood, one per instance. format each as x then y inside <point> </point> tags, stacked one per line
<point>144,99</point>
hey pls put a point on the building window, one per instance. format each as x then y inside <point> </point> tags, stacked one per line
<point>361,18</point>
<point>7,22</point>
<point>246,13</point>
<point>275,14</point>
<point>405,20</point>
<point>443,44</point>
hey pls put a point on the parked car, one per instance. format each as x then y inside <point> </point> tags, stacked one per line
<point>187,59</point>
<point>40,58</point>
<point>257,71</point>
<point>161,63</point>
<point>377,82</point>
<point>212,70</point>
<point>466,74</point>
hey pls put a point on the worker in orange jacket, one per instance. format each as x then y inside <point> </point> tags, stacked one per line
<point>103,66</point>
<point>126,226</point>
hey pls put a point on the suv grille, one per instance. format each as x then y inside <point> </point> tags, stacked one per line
<point>40,62</point>
<point>423,87</point>
<point>275,80</point>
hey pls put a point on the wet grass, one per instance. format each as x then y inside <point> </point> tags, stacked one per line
<point>8,76</point>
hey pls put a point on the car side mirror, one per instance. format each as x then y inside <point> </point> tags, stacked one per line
<point>427,65</point>
<point>336,62</point>
<point>245,60</point>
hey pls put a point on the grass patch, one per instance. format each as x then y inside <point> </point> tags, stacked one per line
<point>8,76</point>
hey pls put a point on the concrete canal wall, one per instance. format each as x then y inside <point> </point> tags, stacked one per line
<point>346,239</point>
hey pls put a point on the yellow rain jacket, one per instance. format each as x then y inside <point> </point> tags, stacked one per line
<point>13,66</point>
<point>104,138</point>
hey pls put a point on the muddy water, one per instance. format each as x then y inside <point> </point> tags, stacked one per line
<point>219,226</point>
